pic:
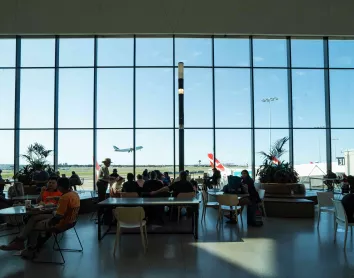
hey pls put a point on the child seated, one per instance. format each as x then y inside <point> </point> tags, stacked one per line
<point>50,193</point>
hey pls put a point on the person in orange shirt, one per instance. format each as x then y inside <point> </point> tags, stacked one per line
<point>64,218</point>
<point>50,193</point>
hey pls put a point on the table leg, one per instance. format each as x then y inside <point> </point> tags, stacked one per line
<point>196,221</point>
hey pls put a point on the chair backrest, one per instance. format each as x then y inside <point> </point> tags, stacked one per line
<point>227,200</point>
<point>186,195</point>
<point>129,214</point>
<point>324,199</point>
<point>129,195</point>
<point>261,193</point>
<point>339,210</point>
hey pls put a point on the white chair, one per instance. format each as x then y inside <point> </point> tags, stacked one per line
<point>184,195</point>
<point>341,218</point>
<point>229,203</point>
<point>261,194</point>
<point>325,203</point>
<point>130,218</point>
<point>207,204</point>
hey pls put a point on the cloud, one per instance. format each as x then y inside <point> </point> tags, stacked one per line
<point>197,53</point>
<point>300,118</point>
<point>258,59</point>
<point>300,73</point>
<point>156,53</point>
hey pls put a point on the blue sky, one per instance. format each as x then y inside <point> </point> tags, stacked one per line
<point>155,93</point>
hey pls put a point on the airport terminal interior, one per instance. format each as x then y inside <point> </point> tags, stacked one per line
<point>148,143</point>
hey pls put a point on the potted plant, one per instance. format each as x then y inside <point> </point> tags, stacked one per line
<point>36,155</point>
<point>277,173</point>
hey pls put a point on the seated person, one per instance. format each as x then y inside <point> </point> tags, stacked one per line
<point>181,186</point>
<point>1,179</point>
<point>330,183</point>
<point>40,177</point>
<point>140,180</point>
<point>50,193</point>
<point>153,184</point>
<point>116,188</point>
<point>348,204</point>
<point>114,174</point>
<point>65,216</point>
<point>130,185</point>
<point>166,180</point>
<point>74,180</point>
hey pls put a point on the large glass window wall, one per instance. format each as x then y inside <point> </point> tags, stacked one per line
<point>91,98</point>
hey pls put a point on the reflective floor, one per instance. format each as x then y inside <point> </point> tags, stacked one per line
<point>281,248</point>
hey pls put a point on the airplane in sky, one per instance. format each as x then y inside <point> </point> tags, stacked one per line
<point>137,148</point>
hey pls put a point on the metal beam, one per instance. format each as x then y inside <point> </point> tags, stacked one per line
<point>174,104</point>
<point>213,84</point>
<point>56,103</point>
<point>94,111</point>
<point>17,105</point>
<point>253,141</point>
<point>134,105</point>
<point>290,101</point>
<point>327,104</point>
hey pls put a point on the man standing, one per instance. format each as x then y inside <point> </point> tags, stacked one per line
<point>104,179</point>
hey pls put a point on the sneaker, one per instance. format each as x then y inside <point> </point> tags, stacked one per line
<point>15,245</point>
<point>28,253</point>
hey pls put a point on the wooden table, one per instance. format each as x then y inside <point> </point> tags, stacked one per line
<point>143,202</point>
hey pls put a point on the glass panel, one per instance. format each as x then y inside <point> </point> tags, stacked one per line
<point>76,52</point>
<point>122,159</point>
<point>43,137</point>
<point>75,153</point>
<point>37,98</point>
<point>343,147</point>
<point>232,52</point>
<point>154,98</point>
<point>234,151</point>
<point>157,152</point>
<point>7,52</point>
<point>265,139</point>
<point>198,144</point>
<point>154,52</point>
<point>198,98</point>
<point>232,98</point>
<point>342,99</point>
<point>76,98</point>
<point>193,52</point>
<point>115,52</point>
<point>7,96</point>
<point>114,96</point>
<point>341,53</point>
<point>37,52</point>
<point>271,98</point>
<point>308,98</point>
<point>269,53</point>
<point>7,153</point>
<point>310,155</point>
<point>307,53</point>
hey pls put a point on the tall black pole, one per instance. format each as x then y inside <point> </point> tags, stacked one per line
<point>181,114</point>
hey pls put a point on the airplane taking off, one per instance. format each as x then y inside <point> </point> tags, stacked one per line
<point>137,148</point>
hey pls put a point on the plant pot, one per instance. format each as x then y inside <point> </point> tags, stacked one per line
<point>283,188</point>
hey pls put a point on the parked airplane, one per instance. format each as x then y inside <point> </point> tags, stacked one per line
<point>116,149</point>
<point>225,172</point>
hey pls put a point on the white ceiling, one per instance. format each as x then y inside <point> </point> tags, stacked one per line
<point>259,17</point>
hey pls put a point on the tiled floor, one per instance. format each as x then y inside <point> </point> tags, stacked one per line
<point>281,248</point>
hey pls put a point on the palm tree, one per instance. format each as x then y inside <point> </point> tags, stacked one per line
<point>36,154</point>
<point>276,151</point>
<point>199,161</point>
